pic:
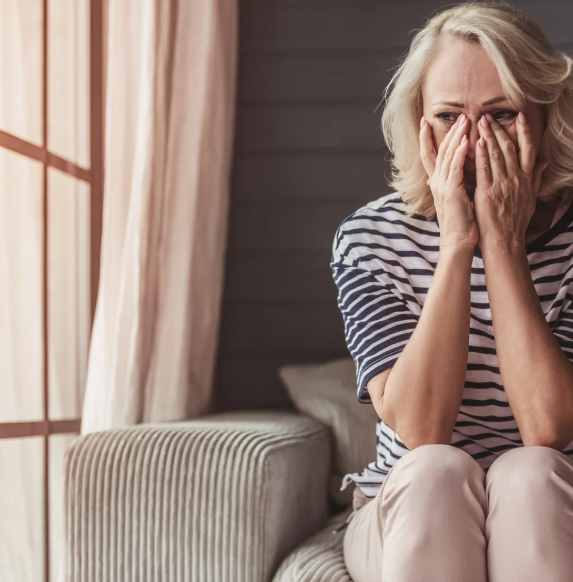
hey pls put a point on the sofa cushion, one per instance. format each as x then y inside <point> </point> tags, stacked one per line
<point>327,392</point>
<point>319,559</point>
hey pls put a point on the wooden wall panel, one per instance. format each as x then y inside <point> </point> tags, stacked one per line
<point>298,76</point>
<point>311,175</point>
<point>275,327</point>
<point>295,225</point>
<point>307,126</point>
<point>252,382</point>
<point>287,276</point>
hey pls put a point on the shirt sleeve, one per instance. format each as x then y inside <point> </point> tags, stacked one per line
<point>377,321</point>
<point>563,329</point>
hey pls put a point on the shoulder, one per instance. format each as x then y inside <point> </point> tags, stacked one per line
<point>380,223</point>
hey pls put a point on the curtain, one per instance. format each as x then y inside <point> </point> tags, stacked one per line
<point>170,105</point>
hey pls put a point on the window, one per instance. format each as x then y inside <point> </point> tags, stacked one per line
<point>51,179</point>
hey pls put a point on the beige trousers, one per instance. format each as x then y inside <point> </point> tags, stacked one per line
<point>440,518</point>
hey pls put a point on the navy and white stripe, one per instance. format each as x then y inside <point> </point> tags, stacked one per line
<point>382,263</point>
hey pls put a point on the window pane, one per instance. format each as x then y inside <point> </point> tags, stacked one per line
<point>21,334</point>
<point>68,82</point>
<point>21,25</point>
<point>69,292</point>
<point>58,446</point>
<point>21,508</point>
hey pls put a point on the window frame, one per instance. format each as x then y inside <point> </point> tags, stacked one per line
<point>92,176</point>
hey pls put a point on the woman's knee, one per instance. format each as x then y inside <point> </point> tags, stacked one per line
<point>439,486</point>
<point>529,470</point>
<point>439,465</point>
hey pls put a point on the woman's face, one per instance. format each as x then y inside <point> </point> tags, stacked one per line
<point>462,79</point>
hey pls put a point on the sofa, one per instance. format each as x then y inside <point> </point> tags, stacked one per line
<point>247,496</point>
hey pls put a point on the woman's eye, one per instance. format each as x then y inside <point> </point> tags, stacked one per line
<point>447,117</point>
<point>501,116</point>
<point>505,115</point>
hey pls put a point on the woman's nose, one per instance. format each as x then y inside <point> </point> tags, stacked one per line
<point>473,136</point>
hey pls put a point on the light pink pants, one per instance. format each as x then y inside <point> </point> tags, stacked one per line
<point>439,518</point>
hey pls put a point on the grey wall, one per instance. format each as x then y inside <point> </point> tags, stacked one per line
<point>308,152</point>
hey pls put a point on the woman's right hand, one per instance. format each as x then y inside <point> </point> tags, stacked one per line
<point>456,219</point>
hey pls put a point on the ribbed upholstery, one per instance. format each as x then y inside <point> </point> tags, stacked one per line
<point>319,558</point>
<point>223,498</point>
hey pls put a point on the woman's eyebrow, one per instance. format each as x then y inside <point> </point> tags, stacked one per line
<point>461,105</point>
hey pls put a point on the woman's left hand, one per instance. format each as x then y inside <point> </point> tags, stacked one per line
<point>505,197</point>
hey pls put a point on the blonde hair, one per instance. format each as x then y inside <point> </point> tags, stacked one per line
<point>530,69</point>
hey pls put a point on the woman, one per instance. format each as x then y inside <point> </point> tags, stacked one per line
<point>455,293</point>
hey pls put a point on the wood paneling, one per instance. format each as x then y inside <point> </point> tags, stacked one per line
<point>307,126</point>
<point>312,26</point>
<point>300,76</point>
<point>285,276</point>
<point>311,175</point>
<point>288,26</point>
<point>296,224</point>
<point>275,327</point>
<point>253,383</point>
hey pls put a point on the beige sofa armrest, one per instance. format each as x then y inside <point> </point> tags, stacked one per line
<point>217,499</point>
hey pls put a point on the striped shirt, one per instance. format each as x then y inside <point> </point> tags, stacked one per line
<point>382,264</point>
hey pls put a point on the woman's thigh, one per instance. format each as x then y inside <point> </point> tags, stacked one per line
<point>362,544</point>
<point>432,500</point>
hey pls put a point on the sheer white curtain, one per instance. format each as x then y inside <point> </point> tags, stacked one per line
<point>170,104</point>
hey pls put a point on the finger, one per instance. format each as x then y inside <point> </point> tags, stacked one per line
<point>527,153</point>
<point>446,142</point>
<point>427,153</point>
<point>451,149</point>
<point>538,174</point>
<point>496,161</point>
<point>483,169</point>
<point>506,145</point>
<point>456,175</point>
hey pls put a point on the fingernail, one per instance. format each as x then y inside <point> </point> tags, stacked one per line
<point>422,122</point>
<point>462,118</point>
<point>483,121</point>
<point>489,117</point>
<point>520,117</point>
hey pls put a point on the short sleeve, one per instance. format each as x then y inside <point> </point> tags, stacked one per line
<point>563,329</point>
<point>377,321</point>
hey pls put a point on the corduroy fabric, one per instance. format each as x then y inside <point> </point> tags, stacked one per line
<point>319,558</point>
<point>217,499</point>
